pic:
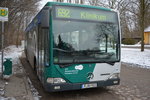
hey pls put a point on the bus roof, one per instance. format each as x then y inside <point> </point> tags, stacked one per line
<point>77,5</point>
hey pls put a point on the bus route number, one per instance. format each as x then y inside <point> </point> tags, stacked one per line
<point>65,13</point>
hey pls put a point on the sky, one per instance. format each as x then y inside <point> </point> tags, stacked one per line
<point>43,2</point>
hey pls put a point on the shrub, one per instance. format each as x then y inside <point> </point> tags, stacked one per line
<point>128,41</point>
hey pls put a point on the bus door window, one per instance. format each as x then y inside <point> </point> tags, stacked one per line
<point>40,53</point>
<point>38,50</point>
<point>44,55</point>
<point>46,47</point>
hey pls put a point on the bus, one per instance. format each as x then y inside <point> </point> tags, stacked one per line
<point>72,46</point>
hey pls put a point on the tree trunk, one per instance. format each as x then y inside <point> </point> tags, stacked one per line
<point>142,13</point>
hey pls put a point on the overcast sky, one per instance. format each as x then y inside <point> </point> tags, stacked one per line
<point>43,2</point>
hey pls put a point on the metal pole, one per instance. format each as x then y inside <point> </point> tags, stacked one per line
<point>2,47</point>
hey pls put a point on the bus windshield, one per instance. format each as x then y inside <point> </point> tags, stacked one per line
<point>85,42</point>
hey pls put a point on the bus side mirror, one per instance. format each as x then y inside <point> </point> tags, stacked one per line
<point>45,18</point>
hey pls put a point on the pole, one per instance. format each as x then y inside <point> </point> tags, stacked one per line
<point>2,39</point>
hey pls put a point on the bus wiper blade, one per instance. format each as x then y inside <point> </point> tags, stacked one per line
<point>61,50</point>
<point>75,61</point>
<point>111,63</point>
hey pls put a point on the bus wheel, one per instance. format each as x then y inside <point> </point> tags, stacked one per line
<point>27,58</point>
<point>35,65</point>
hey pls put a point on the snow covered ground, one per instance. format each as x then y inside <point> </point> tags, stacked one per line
<point>135,56</point>
<point>136,45</point>
<point>12,52</point>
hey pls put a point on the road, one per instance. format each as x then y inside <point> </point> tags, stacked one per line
<point>135,85</point>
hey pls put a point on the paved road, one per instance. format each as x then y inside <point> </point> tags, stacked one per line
<point>135,85</point>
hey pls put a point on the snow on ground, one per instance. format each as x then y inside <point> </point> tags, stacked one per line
<point>136,45</point>
<point>9,98</point>
<point>12,52</point>
<point>135,56</point>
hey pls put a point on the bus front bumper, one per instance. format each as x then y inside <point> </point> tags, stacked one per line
<point>76,86</point>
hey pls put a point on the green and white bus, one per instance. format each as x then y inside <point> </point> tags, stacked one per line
<point>74,46</point>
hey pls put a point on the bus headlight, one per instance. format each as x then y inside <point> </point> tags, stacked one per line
<point>55,80</point>
<point>114,76</point>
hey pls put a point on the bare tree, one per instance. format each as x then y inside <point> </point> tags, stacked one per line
<point>20,11</point>
<point>60,0</point>
<point>94,2</point>
<point>139,9</point>
<point>76,1</point>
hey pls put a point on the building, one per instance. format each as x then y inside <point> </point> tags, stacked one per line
<point>147,35</point>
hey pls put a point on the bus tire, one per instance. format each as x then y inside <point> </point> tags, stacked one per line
<point>35,65</point>
<point>27,57</point>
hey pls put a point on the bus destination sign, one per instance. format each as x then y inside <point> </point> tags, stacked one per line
<point>78,13</point>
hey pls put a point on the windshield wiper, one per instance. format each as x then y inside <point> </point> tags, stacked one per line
<point>110,63</point>
<point>74,61</point>
<point>100,54</point>
<point>58,49</point>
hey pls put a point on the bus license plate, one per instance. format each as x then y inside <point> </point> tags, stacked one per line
<point>92,85</point>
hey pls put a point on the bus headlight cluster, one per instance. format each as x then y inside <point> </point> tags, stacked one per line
<point>55,80</point>
<point>114,76</point>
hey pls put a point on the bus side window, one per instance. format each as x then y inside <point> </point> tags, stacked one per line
<point>46,47</point>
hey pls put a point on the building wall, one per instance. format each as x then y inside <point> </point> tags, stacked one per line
<point>147,37</point>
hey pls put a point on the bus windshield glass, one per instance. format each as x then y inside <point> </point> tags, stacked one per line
<point>85,41</point>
